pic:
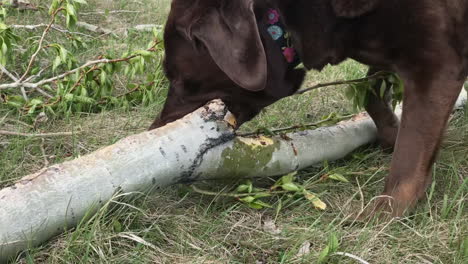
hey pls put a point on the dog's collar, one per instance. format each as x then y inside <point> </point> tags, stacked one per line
<point>282,38</point>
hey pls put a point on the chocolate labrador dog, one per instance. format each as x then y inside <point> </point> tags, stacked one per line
<point>227,49</point>
<point>222,49</point>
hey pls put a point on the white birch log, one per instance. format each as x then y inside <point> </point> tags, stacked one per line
<point>201,145</point>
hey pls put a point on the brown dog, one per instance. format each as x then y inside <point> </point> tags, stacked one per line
<point>219,49</point>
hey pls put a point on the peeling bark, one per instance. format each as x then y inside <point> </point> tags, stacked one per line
<point>201,145</point>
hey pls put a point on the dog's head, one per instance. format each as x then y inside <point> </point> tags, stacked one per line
<point>320,28</point>
<point>221,49</point>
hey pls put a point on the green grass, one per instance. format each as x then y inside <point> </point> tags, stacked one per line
<point>178,225</point>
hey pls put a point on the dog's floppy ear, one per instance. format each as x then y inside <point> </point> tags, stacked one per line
<point>353,8</point>
<point>231,36</point>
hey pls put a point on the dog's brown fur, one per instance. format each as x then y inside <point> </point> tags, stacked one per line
<point>424,41</point>
<point>221,49</point>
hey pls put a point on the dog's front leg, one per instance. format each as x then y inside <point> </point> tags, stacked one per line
<point>426,108</point>
<point>381,111</point>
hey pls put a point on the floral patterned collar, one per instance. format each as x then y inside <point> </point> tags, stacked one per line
<point>282,38</point>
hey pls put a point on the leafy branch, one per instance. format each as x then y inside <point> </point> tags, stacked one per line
<point>252,196</point>
<point>64,86</point>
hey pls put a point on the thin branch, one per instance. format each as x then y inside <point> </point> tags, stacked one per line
<point>33,77</point>
<point>55,27</point>
<point>109,12</point>
<point>44,155</point>
<point>94,28</point>
<point>234,195</point>
<point>39,48</point>
<point>65,74</point>
<point>44,93</point>
<point>40,135</point>
<point>377,75</point>
<point>316,124</point>
<point>9,74</point>
<point>61,76</point>
<point>360,260</point>
<point>23,93</point>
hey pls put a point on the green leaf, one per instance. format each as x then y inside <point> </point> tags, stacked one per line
<point>70,10</point>
<point>262,204</point>
<point>383,89</point>
<point>54,6</point>
<point>35,101</point>
<point>63,54</point>
<point>242,188</point>
<point>338,177</point>
<point>290,187</point>
<point>103,77</point>
<point>331,248</point>
<point>56,63</point>
<point>289,178</point>
<point>32,109</point>
<point>262,195</point>
<point>69,97</point>
<point>333,242</point>
<point>71,20</point>
<point>248,199</point>
<point>255,206</point>
<point>144,53</point>
<point>83,2</point>
<point>117,226</point>
<point>324,255</point>
<point>4,48</point>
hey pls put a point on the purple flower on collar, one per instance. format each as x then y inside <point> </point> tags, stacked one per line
<point>289,54</point>
<point>273,16</point>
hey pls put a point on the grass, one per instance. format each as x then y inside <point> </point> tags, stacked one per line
<point>177,225</point>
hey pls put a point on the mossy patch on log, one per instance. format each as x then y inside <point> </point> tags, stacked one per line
<point>247,155</point>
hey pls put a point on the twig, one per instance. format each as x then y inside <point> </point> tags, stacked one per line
<point>360,80</point>
<point>39,47</point>
<point>23,93</point>
<point>33,77</point>
<point>109,12</point>
<point>42,135</point>
<point>20,122</point>
<point>22,6</point>
<point>360,260</point>
<point>234,195</point>
<point>55,27</point>
<point>94,28</point>
<point>298,126</point>
<point>65,74</point>
<point>46,161</point>
<point>9,74</point>
<point>146,27</point>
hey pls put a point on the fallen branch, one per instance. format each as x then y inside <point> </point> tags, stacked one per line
<point>200,146</point>
<point>39,135</point>
<point>9,74</point>
<point>146,27</point>
<point>19,83</point>
<point>279,130</point>
<point>108,12</point>
<point>358,259</point>
<point>375,76</point>
<point>39,46</point>
<point>53,26</point>
<point>95,29</point>
<point>22,6</point>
